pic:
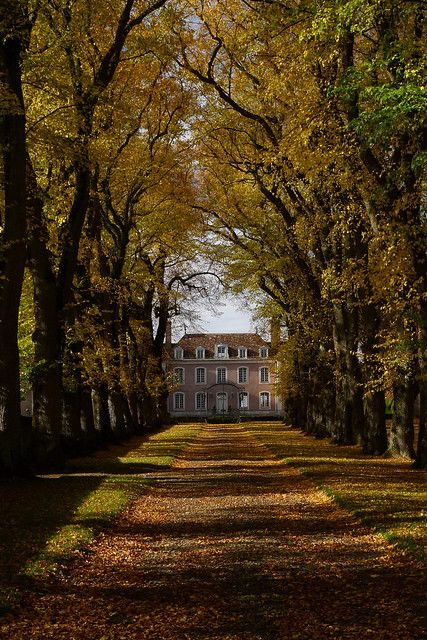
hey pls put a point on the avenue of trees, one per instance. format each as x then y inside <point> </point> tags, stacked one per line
<point>289,134</point>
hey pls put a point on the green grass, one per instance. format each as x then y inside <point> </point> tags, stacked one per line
<point>386,494</point>
<point>45,520</point>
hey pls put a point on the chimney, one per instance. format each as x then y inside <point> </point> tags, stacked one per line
<point>275,334</point>
<point>168,333</point>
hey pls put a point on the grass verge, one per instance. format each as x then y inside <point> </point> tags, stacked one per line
<point>45,520</point>
<point>386,494</point>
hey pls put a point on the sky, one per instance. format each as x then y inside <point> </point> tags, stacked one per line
<point>230,318</point>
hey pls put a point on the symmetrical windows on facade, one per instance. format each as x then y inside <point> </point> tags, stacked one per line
<point>221,375</point>
<point>178,375</point>
<point>243,352</point>
<point>200,375</point>
<point>263,352</point>
<point>264,400</point>
<point>221,351</point>
<point>178,401</point>
<point>178,353</point>
<point>200,353</point>
<point>264,374</point>
<point>243,400</point>
<point>201,401</point>
<point>242,375</point>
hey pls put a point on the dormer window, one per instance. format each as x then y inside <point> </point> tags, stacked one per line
<point>221,351</point>
<point>178,353</point>
<point>263,352</point>
<point>243,352</point>
<point>200,353</point>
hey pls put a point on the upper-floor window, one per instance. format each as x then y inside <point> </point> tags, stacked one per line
<point>263,352</point>
<point>264,400</point>
<point>200,353</point>
<point>242,375</point>
<point>243,352</point>
<point>264,374</point>
<point>178,353</point>
<point>178,400</point>
<point>221,375</point>
<point>221,351</point>
<point>200,375</point>
<point>178,375</point>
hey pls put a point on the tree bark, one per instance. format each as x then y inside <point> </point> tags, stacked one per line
<point>349,421</point>
<point>402,427</point>
<point>87,419</point>
<point>101,413</point>
<point>421,458</point>
<point>12,235</point>
<point>117,414</point>
<point>375,434</point>
<point>47,373</point>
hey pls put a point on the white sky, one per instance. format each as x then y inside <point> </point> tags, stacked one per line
<point>230,318</point>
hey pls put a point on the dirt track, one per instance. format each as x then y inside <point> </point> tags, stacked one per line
<point>231,544</point>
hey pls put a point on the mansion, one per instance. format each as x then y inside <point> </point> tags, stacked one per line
<point>227,375</point>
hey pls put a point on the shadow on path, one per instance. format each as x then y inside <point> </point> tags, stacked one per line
<point>231,545</point>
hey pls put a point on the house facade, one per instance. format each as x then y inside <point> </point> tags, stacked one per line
<point>222,375</point>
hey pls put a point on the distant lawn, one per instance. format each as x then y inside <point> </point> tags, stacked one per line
<point>45,520</point>
<point>387,494</point>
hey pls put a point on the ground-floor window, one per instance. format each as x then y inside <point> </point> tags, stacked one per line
<point>264,400</point>
<point>178,400</point>
<point>201,401</point>
<point>221,402</point>
<point>243,400</point>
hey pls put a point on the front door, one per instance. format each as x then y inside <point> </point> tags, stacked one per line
<point>221,402</point>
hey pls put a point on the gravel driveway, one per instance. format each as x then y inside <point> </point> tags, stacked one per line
<point>231,544</point>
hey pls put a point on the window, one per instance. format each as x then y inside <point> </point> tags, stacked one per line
<point>200,401</point>
<point>264,400</point>
<point>221,375</point>
<point>243,352</point>
<point>263,352</point>
<point>200,353</point>
<point>221,351</point>
<point>200,375</point>
<point>178,375</point>
<point>178,401</point>
<point>178,353</point>
<point>242,375</point>
<point>264,374</point>
<point>221,402</point>
<point>243,400</point>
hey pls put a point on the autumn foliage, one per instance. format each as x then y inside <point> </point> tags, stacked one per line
<point>149,145</point>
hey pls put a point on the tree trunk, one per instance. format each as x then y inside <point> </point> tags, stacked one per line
<point>349,420</point>
<point>402,427</point>
<point>421,459</point>
<point>12,239</point>
<point>87,419</point>
<point>71,426</point>
<point>375,435</point>
<point>116,414</point>
<point>101,413</point>
<point>47,337</point>
<point>375,432</point>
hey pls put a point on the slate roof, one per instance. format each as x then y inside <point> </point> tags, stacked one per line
<point>252,341</point>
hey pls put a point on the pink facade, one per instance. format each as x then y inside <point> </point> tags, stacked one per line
<point>222,375</point>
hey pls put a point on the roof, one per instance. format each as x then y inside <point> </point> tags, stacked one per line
<point>252,341</point>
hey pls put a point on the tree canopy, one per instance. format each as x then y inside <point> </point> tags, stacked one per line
<point>152,148</point>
